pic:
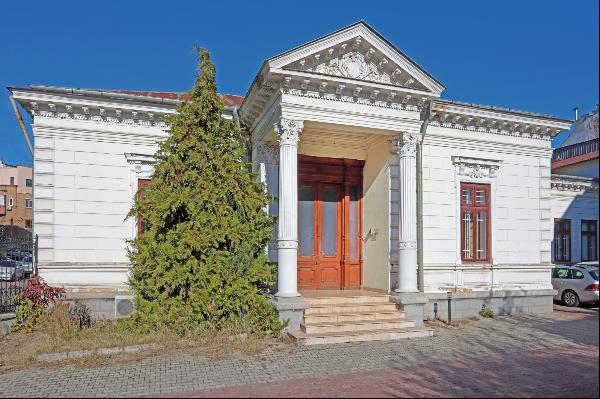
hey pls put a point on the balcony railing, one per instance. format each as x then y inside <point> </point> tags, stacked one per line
<point>575,150</point>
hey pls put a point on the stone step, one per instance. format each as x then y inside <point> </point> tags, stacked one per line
<point>322,328</point>
<point>302,338</point>
<point>345,300</point>
<point>352,317</point>
<point>368,307</point>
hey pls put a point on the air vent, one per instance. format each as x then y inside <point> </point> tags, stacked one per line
<point>124,306</point>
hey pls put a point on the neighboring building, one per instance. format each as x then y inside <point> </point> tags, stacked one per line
<point>335,126</point>
<point>16,196</point>
<point>575,194</point>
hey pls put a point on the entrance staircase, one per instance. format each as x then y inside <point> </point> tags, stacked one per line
<point>353,317</point>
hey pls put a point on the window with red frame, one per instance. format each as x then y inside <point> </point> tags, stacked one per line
<point>142,183</point>
<point>475,222</point>
<point>562,240</point>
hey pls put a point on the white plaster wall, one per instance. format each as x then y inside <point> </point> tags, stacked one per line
<point>577,206</point>
<point>584,169</point>
<point>375,217</point>
<point>520,206</point>
<point>83,192</point>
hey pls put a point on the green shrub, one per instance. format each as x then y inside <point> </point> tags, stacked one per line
<point>486,312</point>
<point>200,258</point>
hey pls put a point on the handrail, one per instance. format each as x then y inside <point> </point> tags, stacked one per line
<point>575,150</point>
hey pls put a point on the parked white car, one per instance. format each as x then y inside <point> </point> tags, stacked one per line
<point>576,284</point>
<point>10,271</point>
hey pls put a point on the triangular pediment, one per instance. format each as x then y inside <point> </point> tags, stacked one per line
<point>358,52</point>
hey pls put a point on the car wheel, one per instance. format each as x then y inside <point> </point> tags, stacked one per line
<point>570,299</point>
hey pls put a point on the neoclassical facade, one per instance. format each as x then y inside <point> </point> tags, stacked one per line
<point>377,183</point>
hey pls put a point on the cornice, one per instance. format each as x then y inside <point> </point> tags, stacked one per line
<point>134,158</point>
<point>62,107</point>
<point>495,121</point>
<point>329,89</point>
<point>573,183</point>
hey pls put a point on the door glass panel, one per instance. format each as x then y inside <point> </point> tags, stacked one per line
<point>353,225</point>
<point>306,225</point>
<point>330,222</point>
<point>481,235</point>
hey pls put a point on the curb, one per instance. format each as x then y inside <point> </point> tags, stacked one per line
<point>54,357</point>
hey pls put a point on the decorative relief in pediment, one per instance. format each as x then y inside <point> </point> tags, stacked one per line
<point>356,62</point>
<point>353,65</point>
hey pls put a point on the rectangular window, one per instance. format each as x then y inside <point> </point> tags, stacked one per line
<point>142,183</point>
<point>28,183</point>
<point>28,203</point>
<point>12,181</point>
<point>475,222</point>
<point>589,251</point>
<point>562,240</point>
<point>28,223</point>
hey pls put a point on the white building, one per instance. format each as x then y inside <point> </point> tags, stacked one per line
<point>575,194</point>
<point>337,127</point>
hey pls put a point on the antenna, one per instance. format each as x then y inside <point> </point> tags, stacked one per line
<point>576,109</point>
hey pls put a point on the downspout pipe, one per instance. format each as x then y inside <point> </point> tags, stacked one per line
<point>420,272</point>
<point>21,124</point>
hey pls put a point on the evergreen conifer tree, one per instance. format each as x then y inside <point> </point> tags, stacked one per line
<point>200,259</point>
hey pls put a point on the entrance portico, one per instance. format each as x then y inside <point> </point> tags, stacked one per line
<point>334,126</point>
<point>322,224</point>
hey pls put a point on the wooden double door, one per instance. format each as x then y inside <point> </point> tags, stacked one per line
<point>329,223</point>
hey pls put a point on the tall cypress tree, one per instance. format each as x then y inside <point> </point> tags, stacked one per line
<point>200,259</point>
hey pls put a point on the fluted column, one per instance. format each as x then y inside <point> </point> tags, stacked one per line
<point>406,146</point>
<point>288,132</point>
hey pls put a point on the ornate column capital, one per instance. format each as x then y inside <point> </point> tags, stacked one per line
<point>288,131</point>
<point>406,145</point>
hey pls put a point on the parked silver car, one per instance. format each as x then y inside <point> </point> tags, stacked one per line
<point>10,270</point>
<point>26,264</point>
<point>24,260</point>
<point>575,284</point>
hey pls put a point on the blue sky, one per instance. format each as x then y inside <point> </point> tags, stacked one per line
<point>539,56</point>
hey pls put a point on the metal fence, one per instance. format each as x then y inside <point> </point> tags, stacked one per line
<point>18,264</point>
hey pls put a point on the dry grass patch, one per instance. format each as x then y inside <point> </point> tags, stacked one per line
<point>57,332</point>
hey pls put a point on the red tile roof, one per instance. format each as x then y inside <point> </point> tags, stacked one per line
<point>228,99</point>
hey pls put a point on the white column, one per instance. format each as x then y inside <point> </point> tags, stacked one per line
<point>288,132</point>
<point>406,146</point>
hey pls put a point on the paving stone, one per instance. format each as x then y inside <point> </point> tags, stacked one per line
<point>483,345</point>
